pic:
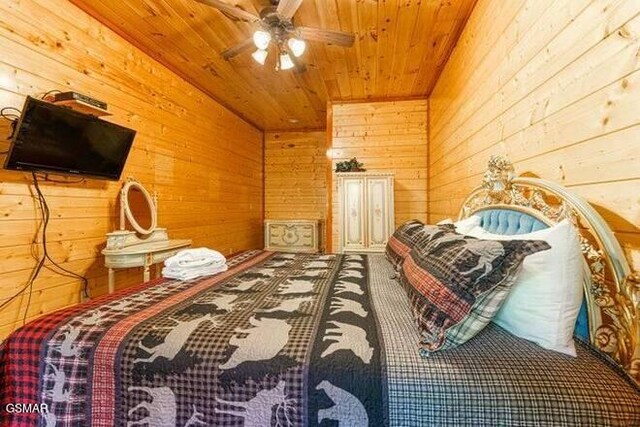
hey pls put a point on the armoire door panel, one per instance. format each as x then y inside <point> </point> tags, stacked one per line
<point>378,212</point>
<point>353,214</point>
<point>366,211</point>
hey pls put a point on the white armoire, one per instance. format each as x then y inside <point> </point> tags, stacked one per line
<point>365,219</point>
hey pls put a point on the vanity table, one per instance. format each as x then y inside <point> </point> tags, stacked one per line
<point>143,247</point>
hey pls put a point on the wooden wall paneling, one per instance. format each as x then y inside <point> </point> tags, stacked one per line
<point>295,175</point>
<point>538,61</point>
<point>586,74</point>
<point>328,232</point>
<point>88,54</point>
<point>495,35</point>
<point>204,162</point>
<point>563,114</point>
<point>386,137</point>
<point>562,106</point>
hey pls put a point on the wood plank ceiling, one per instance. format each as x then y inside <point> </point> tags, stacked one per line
<point>400,49</point>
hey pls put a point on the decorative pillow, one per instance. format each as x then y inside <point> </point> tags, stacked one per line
<point>457,283</point>
<point>464,225</point>
<point>406,236</point>
<point>545,300</point>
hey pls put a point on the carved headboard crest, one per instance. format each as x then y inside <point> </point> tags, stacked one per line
<point>498,180</point>
<point>612,291</point>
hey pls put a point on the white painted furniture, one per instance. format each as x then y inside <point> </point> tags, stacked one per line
<point>366,218</point>
<point>125,249</point>
<point>292,235</point>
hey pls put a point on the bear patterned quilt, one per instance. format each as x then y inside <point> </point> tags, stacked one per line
<point>290,340</point>
<point>277,340</point>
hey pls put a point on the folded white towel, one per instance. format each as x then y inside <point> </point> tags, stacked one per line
<point>192,273</point>
<point>198,257</point>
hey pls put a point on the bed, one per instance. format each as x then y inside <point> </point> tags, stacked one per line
<point>286,339</point>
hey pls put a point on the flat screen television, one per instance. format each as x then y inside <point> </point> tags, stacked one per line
<point>56,139</point>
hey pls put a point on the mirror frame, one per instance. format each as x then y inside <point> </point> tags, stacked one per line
<point>126,209</point>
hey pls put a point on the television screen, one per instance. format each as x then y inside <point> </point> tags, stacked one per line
<point>52,138</point>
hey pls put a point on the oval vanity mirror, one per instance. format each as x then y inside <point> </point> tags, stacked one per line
<point>144,246</point>
<point>139,208</point>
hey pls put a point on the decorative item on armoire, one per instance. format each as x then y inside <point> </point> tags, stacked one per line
<point>352,165</point>
<point>366,212</point>
<point>142,247</point>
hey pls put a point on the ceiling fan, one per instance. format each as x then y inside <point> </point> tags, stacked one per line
<point>276,29</point>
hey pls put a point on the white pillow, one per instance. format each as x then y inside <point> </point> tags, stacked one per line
<point>546,297</point>
<point>464,225</point>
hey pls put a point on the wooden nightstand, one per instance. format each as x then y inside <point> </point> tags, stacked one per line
<point>292,235</point>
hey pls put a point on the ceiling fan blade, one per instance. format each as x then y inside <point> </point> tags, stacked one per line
<point>287,8</point>
<point>236,12</point>
<point>234,50</point>
<point>339,38</point>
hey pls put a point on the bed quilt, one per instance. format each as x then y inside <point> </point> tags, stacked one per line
<point>291,340</point>
<point>277,340</point>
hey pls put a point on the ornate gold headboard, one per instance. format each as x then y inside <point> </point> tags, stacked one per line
<point>612,291</point>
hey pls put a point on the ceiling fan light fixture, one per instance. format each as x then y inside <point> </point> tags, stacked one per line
<point>285,62</point>
<point>297,46</point>
<point>261,39</point>
<point>274,25</point>
<point>260,56</point>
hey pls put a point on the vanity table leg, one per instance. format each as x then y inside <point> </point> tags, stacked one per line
<point>148,261</point>
<point>112,281</point>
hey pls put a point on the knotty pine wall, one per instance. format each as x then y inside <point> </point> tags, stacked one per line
<point>296,175</point>
<point>203,161</point>
<point>386,136</point>
<point>555,85</point>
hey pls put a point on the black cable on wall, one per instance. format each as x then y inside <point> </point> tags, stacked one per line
<point>13,114</point>
<point>45,215</point>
